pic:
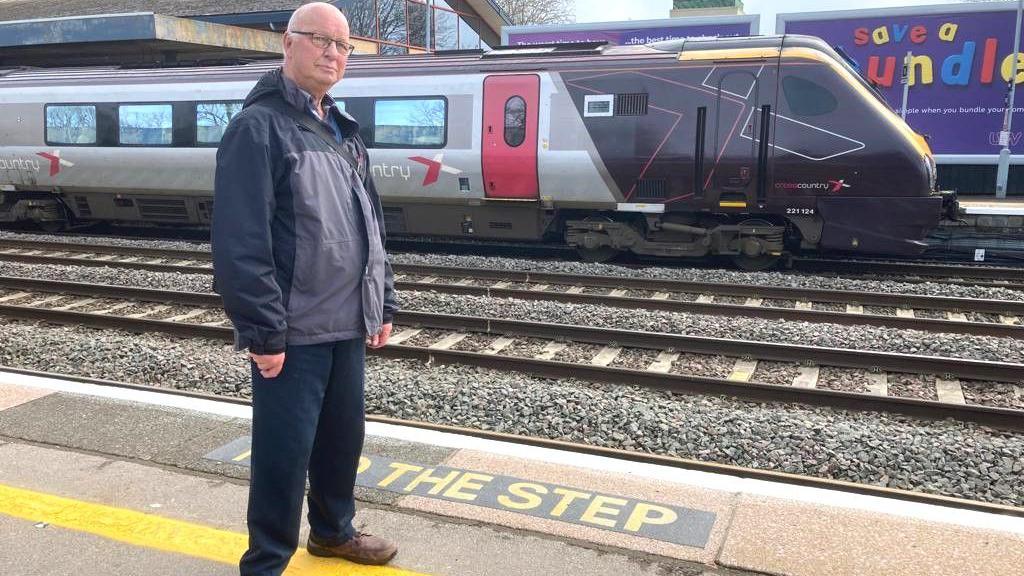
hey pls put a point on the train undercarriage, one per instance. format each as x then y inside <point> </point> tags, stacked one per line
<point>754,243</point>
<point>751,241</point>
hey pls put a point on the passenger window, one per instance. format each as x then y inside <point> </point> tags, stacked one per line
<point>146,124</point>
<point>212,118</point>
<point>71,124</point>
<point>410,123</point>
<point>515,121</point>
<point>806,98</point>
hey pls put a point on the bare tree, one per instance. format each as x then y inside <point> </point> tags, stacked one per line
<point>72,124</point>
<point>522,12</point>
<point>217,114</point>
<point>362,20</point>
<point>426,113</point>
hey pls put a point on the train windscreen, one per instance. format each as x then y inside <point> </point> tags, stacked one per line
<point>850,64</point>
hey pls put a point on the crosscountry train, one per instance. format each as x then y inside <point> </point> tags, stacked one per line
<point>745,147</point>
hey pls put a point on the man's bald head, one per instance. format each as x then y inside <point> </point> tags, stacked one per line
<point>313,13</point>
<point>315,68</point>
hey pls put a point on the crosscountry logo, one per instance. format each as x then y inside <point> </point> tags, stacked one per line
<point>55,161</point>
<point>434,168</point>
<point>837,185</point>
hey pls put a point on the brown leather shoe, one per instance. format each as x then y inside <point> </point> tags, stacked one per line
<point>361,549</point>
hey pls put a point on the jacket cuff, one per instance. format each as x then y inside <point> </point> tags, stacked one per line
<point>260,351</point>
<point>273,344</point>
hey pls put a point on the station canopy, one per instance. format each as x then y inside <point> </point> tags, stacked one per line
<point>162,33</point>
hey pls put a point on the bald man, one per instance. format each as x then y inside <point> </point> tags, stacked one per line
<point>298,251</point>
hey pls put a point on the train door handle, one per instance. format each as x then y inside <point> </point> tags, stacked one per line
<point>491,184</point>
<point>490,129</point>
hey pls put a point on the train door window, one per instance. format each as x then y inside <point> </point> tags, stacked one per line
<point>212,119</point>
<point>145,124</point>
<point>70,124</point>
<point>515,121</point>
<point>807,98</point>
<point>410,122</point>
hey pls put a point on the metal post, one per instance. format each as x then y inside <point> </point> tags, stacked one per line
<point>905,80</point>
<point>1004,137</point>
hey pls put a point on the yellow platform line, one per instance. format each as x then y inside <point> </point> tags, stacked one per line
<point>160,533</point>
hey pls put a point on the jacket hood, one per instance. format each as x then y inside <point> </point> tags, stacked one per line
<point>270,84</point>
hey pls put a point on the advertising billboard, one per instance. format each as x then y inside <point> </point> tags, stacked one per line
<point>633,31</point>
<point>962,61</point>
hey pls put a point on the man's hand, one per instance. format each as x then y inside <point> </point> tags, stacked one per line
<point>269,364</point>
<point>379,340</point>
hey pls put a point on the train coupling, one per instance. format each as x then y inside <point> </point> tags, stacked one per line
<point>950,205</point>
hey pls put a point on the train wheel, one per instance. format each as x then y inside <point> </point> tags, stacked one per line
<point>599,254</point>
<point>756,263</point>
<point>53,226</point>
<point>753,256</point>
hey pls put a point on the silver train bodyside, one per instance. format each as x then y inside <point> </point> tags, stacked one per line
<point>710,147</point>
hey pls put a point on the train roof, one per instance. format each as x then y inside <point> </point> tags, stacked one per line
<point>500,59</point>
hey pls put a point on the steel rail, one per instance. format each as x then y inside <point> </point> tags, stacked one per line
<point>166,253</point>
<point>213,300</point>
<point>134,265</point>
<point>928,269</point>
<point>955,367</point>
<point>1008,273</point>
<point>1010,307</point>
<point>616,453</point>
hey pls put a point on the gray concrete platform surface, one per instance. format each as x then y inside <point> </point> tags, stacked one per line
<point>101,485</point>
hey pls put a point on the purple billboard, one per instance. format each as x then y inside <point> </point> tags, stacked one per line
<point>632,32</point>
<point>962,61</point>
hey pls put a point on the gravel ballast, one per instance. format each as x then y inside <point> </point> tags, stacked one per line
<point>941,457</point>
<point>111,276</point>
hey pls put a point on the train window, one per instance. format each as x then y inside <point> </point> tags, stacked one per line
<point>515,121</point>
<point>212,118</point>
<point>806,98</point>
<point>410,122</point>
<point>70,124</point>
<point>145,124</point>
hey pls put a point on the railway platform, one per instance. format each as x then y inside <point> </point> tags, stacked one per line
<point>99,480</point>
<point>992,206</point>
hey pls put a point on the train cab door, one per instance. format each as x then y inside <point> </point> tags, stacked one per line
<point>744,118</point>
<point>509,154</point>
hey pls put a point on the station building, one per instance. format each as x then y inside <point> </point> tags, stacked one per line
<point>169,32</point>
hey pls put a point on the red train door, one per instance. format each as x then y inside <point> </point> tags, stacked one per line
<point>509,155</point>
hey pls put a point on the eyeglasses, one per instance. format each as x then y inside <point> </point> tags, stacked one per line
<point>321,41</point>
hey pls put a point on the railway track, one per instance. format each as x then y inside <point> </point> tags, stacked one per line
<point>927,313</point>
<point>616,453</point>
<point>655,360</point>
<point>910,271</point>
<point>926,270</point>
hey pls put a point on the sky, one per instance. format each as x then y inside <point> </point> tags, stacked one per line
<point>615,10</point>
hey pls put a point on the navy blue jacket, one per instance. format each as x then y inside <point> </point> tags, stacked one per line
<point>298,231</point>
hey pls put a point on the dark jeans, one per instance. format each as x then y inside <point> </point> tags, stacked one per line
<point>309,417</point>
